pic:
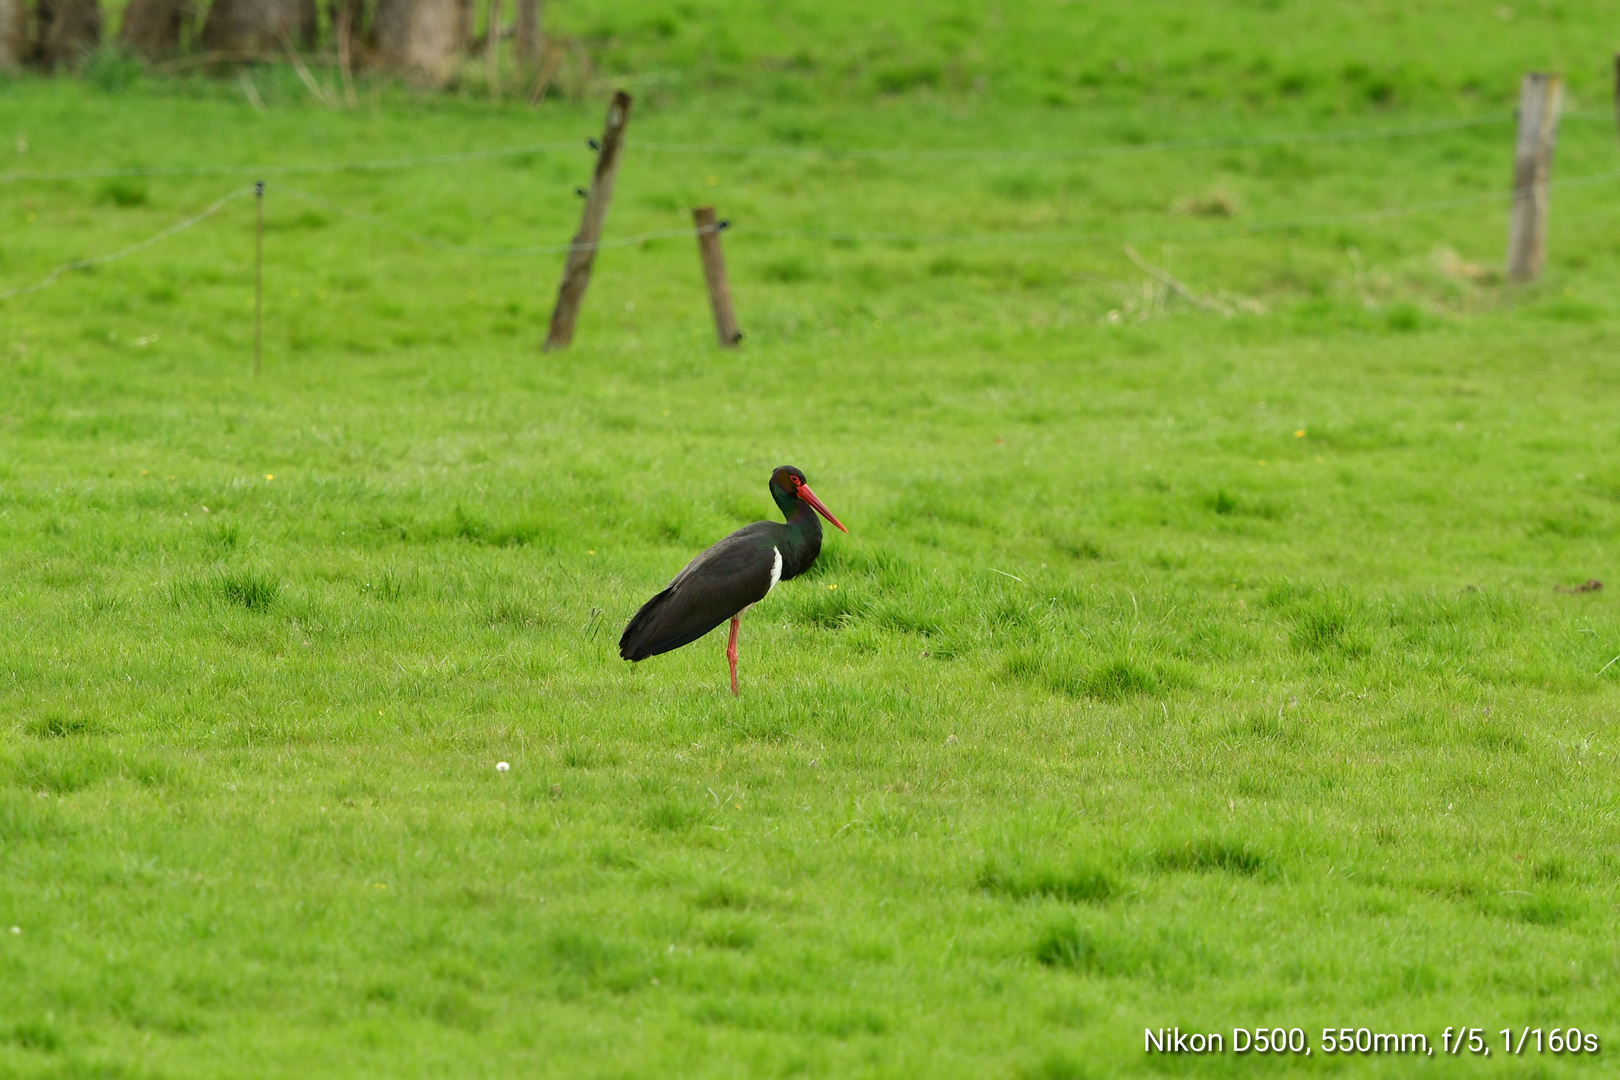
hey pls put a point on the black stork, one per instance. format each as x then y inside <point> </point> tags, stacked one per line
<point>734,574</point>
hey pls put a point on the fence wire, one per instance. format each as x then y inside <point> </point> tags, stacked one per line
<point>380,165</point>
<point>1236,229</point>
<point>894,153</point>
<point>1045,239</point>
<point>83,264</point>
<point>473,249</point>
<point>1118,150</point>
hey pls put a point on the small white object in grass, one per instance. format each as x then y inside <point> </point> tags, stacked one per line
<point>16,929</point>
<point>501,766</point>
<point>950,740</point>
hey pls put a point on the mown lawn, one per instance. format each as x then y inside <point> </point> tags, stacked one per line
<point>1181,668</point>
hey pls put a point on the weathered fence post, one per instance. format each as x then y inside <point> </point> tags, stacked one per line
<point>714,275</point>
<point>1540,97</point>
<point>577,274</point>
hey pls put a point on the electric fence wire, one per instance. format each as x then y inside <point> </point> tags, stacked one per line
<point>219,204</point>
<point>380,165</point>
<point>1278,225</point>
<point>1187,235</point>
<point>1216,142</point>
<point>473,249</point>
<point>1070,239</point>
<point>894,153</point>
<point>83,264</point>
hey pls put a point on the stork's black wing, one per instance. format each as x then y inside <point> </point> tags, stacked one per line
<point>716,585</point>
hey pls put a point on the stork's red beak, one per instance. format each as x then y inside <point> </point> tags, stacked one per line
<point>815,504</point>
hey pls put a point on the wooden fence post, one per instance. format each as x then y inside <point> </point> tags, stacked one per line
<point>714,275</point>
<point>1540,97</point>
<point>577,274</point>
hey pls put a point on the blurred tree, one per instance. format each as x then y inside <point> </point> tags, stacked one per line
<point>526,32</point>
<point>466,12</point>
<point>250,27</point>
<point>69,30</point>
<point>13,34</point>
<point>152,27</point>
<point>419,38</point>
<point>347,16</point>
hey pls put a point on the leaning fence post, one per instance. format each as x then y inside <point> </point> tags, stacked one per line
<point>1540,97</point>
<point>577,274</point>
<point>714,275</point>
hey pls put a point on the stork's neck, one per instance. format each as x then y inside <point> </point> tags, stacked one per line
<point>802,538</point>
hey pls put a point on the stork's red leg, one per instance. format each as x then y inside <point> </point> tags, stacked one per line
<point>731,652</point>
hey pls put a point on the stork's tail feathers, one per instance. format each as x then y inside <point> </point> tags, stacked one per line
<point>640,638</point>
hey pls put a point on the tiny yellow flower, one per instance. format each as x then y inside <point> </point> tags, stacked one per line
<point>1300,434</point>
<point>832,586</point>
<point>269,476</point>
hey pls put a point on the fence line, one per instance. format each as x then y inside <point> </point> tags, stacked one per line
<point>219,204</point>
<point>1040,239</point>
<point>1043,239</point>
<point>1118,150</point>
<point>450,158</point>
<point>81,264</point>
<point>472,249</point>
<point>380,165</point>
<point>1235,229</point>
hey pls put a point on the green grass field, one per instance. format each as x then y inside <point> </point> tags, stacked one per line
<point>1180,669</point>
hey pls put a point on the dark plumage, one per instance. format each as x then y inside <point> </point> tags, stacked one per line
<point>737,572</point>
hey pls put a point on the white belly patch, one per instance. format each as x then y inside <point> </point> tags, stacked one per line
<point>776,569</point>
